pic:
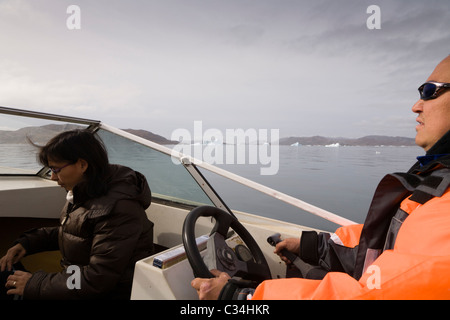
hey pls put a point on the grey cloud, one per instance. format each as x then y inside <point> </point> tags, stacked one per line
<point>305,67</point>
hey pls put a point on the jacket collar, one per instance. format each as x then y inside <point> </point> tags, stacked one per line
<point>439,154</point>
<point>442,146</point>
<point>123,183</point>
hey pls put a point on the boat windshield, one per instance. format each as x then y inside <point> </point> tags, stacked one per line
<point>18,155</point>
<point>21,133</point>
<point>167,180</point>
<point>174,178</point>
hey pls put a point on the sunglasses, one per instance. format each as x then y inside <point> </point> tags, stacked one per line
<point>431,90</point>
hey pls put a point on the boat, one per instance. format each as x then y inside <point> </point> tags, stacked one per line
<point>189,215</point>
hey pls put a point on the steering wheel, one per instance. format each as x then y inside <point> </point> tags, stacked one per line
<point>249,264</point>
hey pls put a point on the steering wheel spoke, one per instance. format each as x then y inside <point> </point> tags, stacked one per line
<point>251,263</point>
<point>221,257</point>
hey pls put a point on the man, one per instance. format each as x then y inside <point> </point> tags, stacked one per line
<point>403,249</point>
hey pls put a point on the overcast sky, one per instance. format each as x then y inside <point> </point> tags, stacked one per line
<point>303,67</point>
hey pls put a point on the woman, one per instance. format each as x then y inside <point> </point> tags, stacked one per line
<point>103,228</point>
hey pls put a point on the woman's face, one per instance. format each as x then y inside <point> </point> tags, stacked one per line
<point>67,174</point>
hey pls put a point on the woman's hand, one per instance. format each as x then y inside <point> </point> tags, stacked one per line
<point>12,256</point>
<point>16,282</point>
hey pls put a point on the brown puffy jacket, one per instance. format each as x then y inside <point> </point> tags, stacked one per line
<point>103,237</point>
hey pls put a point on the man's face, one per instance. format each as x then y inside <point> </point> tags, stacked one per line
<point>434,115</point>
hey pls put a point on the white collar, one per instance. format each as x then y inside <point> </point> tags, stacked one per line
<point>69,196</point>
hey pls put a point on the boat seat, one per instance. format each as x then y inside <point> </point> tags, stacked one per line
<point>12,227</point>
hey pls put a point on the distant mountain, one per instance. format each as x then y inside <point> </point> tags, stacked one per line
<point>150,136</point>
<point>384,140</point>
<point>364,141</point>
<point>42,134</point>
<point>35,134</point>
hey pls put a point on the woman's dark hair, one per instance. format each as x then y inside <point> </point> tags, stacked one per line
<point>78,144</point>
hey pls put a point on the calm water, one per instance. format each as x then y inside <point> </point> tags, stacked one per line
<point>341,180</point>
<point>21,156</point>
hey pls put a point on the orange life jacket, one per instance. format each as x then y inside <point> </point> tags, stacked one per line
<point>415,251</point>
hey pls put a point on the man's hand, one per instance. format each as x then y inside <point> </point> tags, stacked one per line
<point>290,244</point>
<point>209,289</point>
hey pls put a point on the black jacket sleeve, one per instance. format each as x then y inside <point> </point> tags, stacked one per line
<point>39,240</point>
<point>320,250</point>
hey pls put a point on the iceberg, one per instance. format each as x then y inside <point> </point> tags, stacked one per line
<point>333,145</point>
